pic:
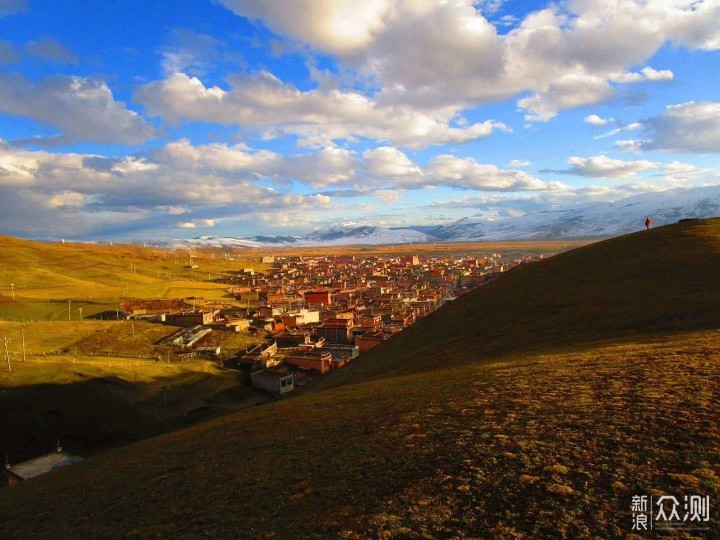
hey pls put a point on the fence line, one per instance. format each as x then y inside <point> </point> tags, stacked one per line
<point>103,363</point>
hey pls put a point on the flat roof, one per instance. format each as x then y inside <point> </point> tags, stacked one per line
<point>43,464</point>
<point>272,374</point>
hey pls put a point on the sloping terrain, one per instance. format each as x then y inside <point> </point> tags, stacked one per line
<point>535,407</point>
<point>98,277</point>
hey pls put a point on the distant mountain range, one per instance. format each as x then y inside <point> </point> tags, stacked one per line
<point>582,221</point>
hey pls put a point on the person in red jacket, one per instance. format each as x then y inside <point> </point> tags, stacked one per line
<point>648,222</point>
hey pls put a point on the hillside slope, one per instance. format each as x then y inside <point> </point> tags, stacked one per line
<point>535,407</point>
<point>650,282</point>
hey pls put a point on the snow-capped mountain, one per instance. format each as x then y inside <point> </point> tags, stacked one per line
<point>593,219</point>
<point>337,235</point>
<point>587,220</point>
<point>365,234</point>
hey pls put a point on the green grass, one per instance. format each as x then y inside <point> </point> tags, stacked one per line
<point>534,407</point>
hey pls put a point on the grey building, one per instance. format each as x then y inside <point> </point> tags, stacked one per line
<point>273,380</point>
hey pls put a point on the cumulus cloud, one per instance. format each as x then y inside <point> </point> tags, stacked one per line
<point>82,109</point>
<point>518,163</point>
<point>388,162</point>
<point>567,55</point>
<point>79,194</point>
<point>644,75</point>
<point>687,127</point>
<point>265,103</point>
<point>49,48</point>
<point>466,173</point>
<point>568,92</point>
<point>596,120</point>
<point>606,167</point>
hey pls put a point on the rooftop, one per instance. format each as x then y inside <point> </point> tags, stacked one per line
<point>43,464</point>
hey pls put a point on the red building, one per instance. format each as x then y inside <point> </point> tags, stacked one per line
<point>322,297</point>
<point>370,340</point>
<point>315,360</point>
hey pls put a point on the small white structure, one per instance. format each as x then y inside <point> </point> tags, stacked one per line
<point>272,380</point>
<point>39,466</point>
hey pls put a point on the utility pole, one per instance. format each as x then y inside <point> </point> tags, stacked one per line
<point>80,310</point>
<point>12,288</point>
<point>7,355</point>
<point>69,302</point>
<point>22,332</point>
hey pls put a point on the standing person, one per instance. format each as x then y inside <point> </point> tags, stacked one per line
<point>648,222</point>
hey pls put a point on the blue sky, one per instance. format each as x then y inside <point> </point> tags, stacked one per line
<point>241,117</point>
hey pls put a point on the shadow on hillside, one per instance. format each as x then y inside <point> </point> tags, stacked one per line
<point>100,413</point>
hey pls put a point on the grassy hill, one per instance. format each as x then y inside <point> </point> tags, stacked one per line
<point>96,277</point>
<point>534,407</point>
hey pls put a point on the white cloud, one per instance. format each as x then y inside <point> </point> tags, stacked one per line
<point>644,75</point>
<point>518,163</point>
<point>596,120</point>
<point>630,127</point>
<point>687,127</point>
<point>568,55</point>
<point>265,103</point>
<point>83,109</point>
<point>80,194</point>
<point>606,167</point>
<point>568,92</point>
<point>466,173</point>
<point>388,162</point>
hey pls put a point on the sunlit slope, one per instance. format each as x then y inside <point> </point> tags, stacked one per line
<point>97,276</point>
<point>665,279</point>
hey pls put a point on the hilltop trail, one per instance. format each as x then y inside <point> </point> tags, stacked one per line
<point>534,407</point>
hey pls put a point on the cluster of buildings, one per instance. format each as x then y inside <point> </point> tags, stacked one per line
<point>318,313</point>
<point>321,312</point>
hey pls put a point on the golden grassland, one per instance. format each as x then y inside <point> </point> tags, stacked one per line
<point>533,407</point>
<point>98,277</point>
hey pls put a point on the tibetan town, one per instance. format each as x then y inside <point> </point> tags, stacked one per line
<point>311,315</point>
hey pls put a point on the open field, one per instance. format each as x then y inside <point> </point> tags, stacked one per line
<point>98,277</point>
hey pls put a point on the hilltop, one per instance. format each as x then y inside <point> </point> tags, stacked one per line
<point>533,407</point>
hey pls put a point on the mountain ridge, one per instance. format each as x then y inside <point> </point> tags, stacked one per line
<point>587,220</point>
